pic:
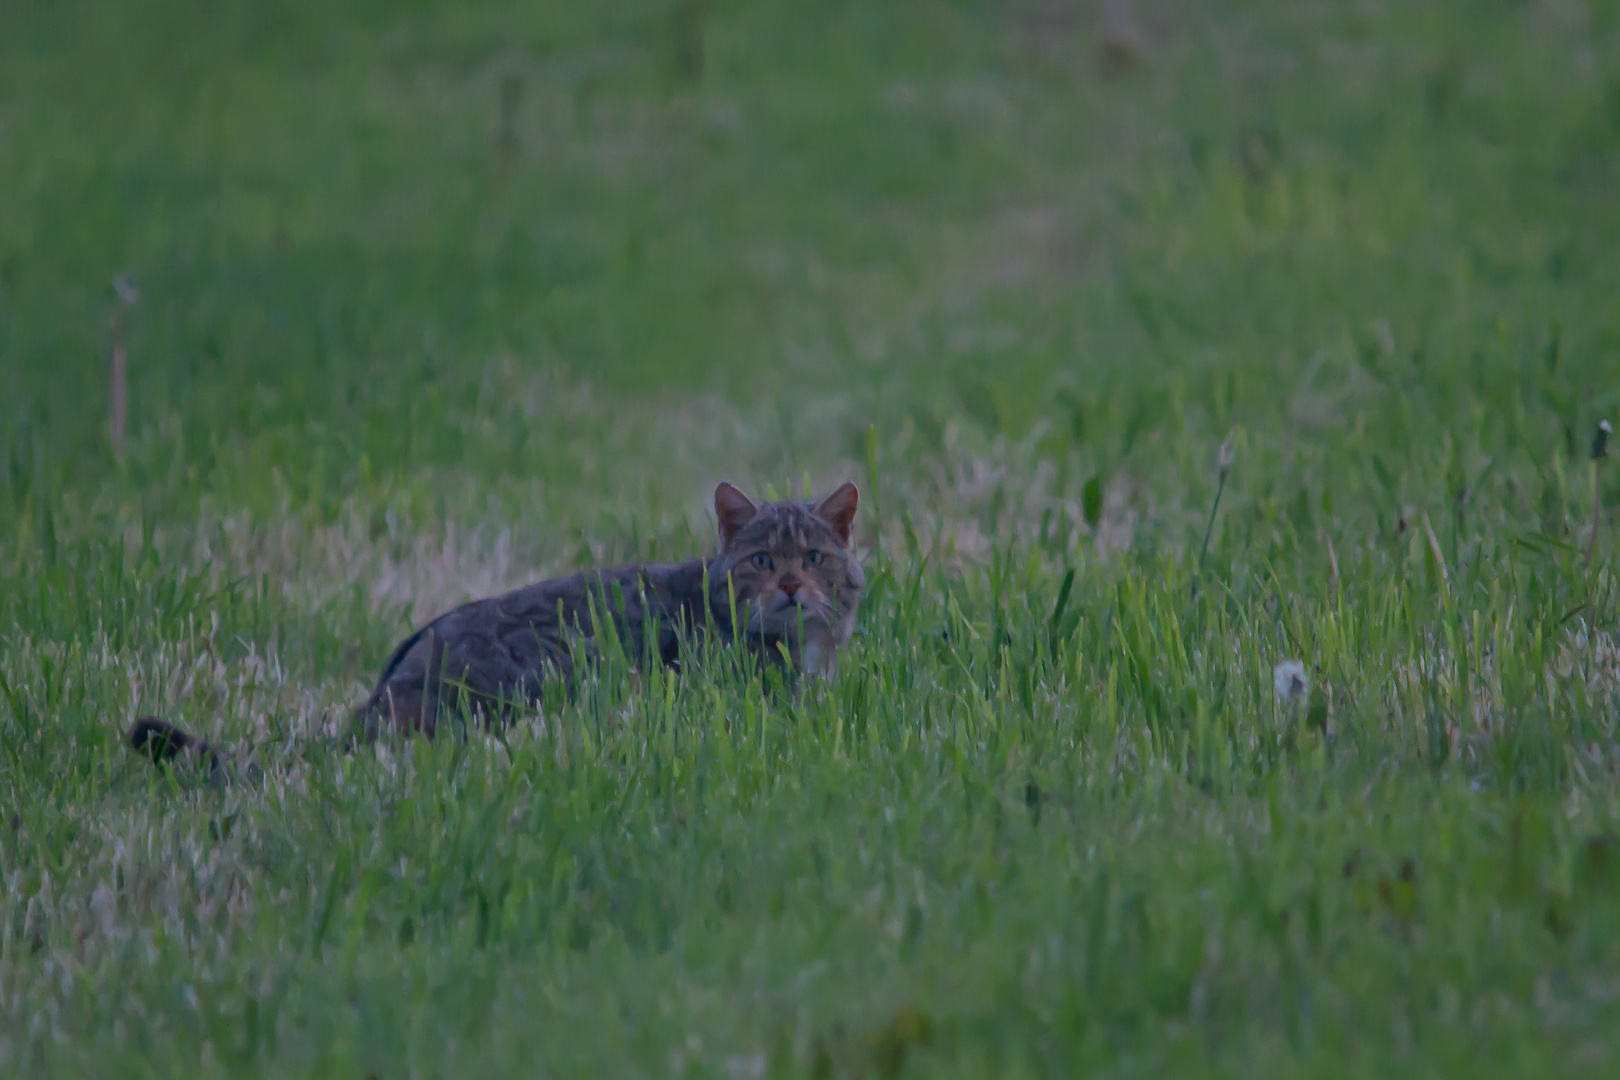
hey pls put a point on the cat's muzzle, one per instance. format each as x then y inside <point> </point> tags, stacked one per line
<point>789,617</point>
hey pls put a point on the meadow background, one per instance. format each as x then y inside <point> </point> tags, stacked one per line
<point>427,299</point>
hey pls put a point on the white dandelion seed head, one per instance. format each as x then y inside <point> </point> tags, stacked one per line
<point>1288,680</point>
<point>124,286</point>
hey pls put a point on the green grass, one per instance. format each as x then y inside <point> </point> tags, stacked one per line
<point>386,357</point>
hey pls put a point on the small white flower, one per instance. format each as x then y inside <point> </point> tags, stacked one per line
<point>1288,679</point>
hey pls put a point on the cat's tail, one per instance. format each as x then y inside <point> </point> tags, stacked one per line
<point>163,743</point>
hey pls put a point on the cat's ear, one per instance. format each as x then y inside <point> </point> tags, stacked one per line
<point>838,510</point>
<point>734,509</point>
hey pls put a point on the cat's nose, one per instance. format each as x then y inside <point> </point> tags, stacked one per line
<point>789,585</point>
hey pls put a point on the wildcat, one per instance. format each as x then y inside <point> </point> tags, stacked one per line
<point>785,570</point>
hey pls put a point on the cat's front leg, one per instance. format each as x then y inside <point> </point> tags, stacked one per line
<point>817,655</point>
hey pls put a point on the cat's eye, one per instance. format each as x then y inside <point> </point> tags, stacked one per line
<point>812,557</point>
<point>762,561</point>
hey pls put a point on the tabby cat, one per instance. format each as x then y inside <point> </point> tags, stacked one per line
<point>786,581</point>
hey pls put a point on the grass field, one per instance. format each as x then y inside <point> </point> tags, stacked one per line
<point>439,298</point>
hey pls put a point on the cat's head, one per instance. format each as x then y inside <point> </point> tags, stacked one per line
<point>791,564</point>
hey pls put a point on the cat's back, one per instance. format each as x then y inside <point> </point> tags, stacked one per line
<point>624,590</point>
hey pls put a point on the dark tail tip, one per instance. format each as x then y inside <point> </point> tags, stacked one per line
<point>158,740</point>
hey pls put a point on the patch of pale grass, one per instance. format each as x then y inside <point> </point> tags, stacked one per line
<point>645,467</point>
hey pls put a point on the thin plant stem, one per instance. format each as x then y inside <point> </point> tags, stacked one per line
<point>1600,450</point>
<point>1209,526</point>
